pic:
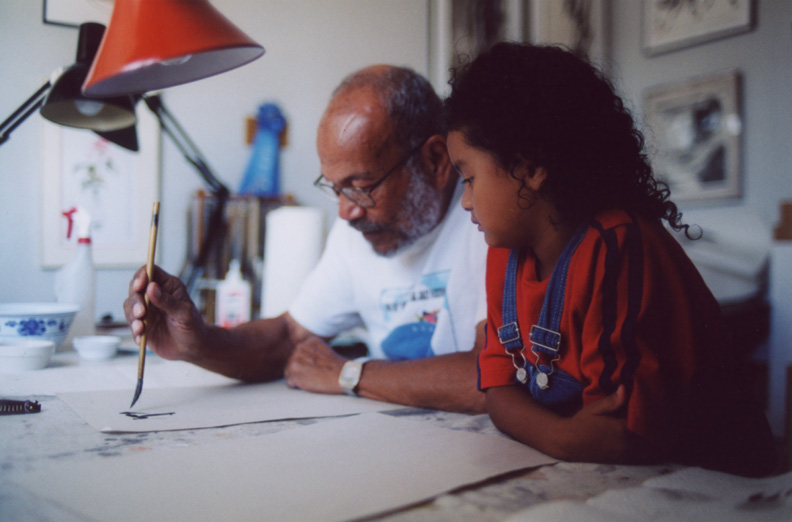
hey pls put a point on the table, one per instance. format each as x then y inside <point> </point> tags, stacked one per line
<point>28,442</point>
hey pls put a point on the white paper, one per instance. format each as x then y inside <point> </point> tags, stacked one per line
<point>68,373</point>
<point>692,494</point>
<point>336,469</point>
<point>211,406</point>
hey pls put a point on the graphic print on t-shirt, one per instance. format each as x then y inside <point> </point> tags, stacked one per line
<point>413,313</point>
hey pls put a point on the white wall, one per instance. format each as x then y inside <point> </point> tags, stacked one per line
<point>764,57</point>
<point>310,45</point>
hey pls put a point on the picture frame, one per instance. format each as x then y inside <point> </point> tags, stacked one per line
<point>116,186</point>
<point>456,33</point>
<point>669,26</point>
<point>695,133</point>
<point>72,13</point>
<point>580,25</point>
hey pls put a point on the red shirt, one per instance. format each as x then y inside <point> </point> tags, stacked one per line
<point>636,312</point>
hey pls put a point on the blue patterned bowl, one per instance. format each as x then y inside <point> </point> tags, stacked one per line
<point>47,321</point>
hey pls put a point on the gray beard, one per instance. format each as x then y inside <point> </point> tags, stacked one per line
<point>419,214</point>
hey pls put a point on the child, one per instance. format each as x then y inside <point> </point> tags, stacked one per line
<point>589,296</point>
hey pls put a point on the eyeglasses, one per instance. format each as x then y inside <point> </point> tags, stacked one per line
<point>361,196</point>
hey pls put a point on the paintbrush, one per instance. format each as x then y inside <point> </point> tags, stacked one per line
<point>152,246</point>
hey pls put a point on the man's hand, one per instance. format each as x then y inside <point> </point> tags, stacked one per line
<point>253,352</point>
<point>315,367</point>
<point>175,328</point>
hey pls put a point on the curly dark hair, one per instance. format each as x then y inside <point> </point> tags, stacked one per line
<point>553,109</point>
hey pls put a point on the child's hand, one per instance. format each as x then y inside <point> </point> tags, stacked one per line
<point>599,433</point>
<point>611,404</point>
<point>596,433</point>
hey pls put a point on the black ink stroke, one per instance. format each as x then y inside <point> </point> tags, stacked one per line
<point>143,416</point>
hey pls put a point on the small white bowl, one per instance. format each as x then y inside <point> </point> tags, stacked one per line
<point>21,355</point>
<point>97,347</point>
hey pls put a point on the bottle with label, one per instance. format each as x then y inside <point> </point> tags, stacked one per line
<point>232,300</point>
<point>75,283</point>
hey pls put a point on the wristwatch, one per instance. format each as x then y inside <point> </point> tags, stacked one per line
<point>349,378</point>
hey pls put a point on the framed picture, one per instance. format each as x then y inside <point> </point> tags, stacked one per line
<point>72,13</point>
<point>115,186</point>
<point>461,29</point>
<point>580,25</point>
<point>668,26</point>
<point>695,131</point>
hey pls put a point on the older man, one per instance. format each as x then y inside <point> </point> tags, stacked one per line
<point>403,261</point>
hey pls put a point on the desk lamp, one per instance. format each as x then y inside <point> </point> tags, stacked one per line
<point>63,102</point>
<point>154,44</point>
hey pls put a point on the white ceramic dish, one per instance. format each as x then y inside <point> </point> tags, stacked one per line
<point>43,321</point>
<point>21,355</point>
<point>97,347</point>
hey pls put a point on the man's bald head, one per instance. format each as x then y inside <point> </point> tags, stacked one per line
<point>410,104</point>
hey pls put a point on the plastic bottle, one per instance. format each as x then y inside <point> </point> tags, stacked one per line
<point>232,300</point>
<point>75,283</point>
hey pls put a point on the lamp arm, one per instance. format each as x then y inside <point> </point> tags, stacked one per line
<point>177,134</point>
<point>26,109</point>
<point>194,269</point>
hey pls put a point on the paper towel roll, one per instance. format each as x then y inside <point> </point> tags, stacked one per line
<point>293,244</point>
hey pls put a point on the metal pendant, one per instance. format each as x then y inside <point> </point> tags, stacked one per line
<point>542,380</point>
<point>522,375</point>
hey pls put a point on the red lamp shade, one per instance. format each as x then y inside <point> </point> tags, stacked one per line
<point>153,44</point>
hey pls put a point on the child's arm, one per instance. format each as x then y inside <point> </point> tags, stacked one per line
<point>593,434</point>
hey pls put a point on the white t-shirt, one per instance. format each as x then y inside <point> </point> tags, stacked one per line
<point>424,301</point>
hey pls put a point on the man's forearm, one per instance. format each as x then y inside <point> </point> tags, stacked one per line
<point>253,352</point>
<point>443,382</point>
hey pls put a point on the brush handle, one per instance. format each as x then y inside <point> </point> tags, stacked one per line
<point>152,247</point>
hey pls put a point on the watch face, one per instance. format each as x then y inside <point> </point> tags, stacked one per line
<point>350,372</point>
<point>350,375</point>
